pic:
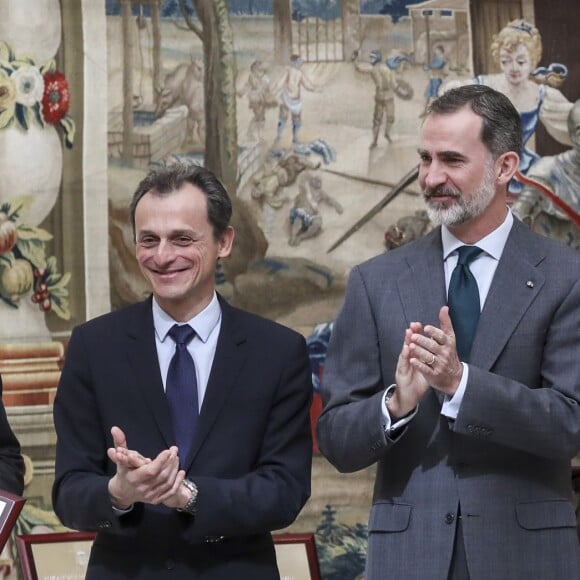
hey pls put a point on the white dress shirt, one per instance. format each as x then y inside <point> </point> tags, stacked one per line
<point>202,347</point>
<point>483,268</point>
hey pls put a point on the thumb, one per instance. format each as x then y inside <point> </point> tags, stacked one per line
<point>445,321</point>
<point>119,439</point>
<point>403,362</point>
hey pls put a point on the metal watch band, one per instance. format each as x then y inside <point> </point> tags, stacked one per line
<point>191,506</point>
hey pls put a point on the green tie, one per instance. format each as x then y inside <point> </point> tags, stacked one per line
<point>463,301</point>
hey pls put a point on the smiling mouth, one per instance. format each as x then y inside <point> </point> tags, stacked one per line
<point>167,273</point>
<point>441,194</point>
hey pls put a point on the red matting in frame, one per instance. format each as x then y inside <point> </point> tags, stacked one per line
<point>304,556</point>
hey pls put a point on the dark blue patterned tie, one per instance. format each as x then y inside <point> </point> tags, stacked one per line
<point>181,389</point>
<point>463,301</point>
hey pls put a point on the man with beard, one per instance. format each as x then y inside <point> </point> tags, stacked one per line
<point>453,365</point>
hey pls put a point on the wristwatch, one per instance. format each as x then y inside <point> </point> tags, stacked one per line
<point>191,506</point>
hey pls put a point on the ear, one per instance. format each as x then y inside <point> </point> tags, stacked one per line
<point>226,242</point>
<point>506,166</point>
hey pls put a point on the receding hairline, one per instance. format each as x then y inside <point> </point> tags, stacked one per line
<point>467,107</point>
<point>165,192</point>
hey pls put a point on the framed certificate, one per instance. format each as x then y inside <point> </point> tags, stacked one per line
<point>55,555</point>
<point>10,507</point>
<point>297,557</point>
<point>66,555</point>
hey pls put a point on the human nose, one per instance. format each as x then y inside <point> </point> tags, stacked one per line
<point>432,175</point>
<point>164,253</point>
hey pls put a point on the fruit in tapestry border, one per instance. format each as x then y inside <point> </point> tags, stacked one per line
<point>24,266</point>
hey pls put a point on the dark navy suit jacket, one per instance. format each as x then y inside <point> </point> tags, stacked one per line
<point>251,457</point>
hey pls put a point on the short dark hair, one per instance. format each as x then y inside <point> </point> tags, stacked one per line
<point>502,127</point>
<point>172,177</point>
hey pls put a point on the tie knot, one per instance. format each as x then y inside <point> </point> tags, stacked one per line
<point>181,334</point>
<point>467,254</point>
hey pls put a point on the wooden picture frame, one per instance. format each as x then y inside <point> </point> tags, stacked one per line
<point>297,556</point>
<point>66,555</point>
<point>10,507</point>
<point>54,555</point>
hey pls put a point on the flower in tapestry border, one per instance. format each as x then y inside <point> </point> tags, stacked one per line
<point>56,97</point>
<point>24,266</point>
<point>7,98</point>
<point>29,85</point>
<point>29,93</point>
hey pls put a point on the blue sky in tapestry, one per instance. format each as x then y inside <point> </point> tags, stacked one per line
<point>300,8</point>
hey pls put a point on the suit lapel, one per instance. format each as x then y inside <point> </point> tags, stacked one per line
<point>516,283</point>
<point>422,285</point>
<point>143,358</point>
<point>229,358</point>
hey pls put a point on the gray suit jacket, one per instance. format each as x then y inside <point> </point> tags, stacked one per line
<point>506,458</point>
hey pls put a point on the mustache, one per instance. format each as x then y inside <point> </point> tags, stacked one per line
<point>440,191</point>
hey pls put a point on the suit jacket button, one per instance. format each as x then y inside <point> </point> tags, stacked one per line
<point>170,564</point>
<point>449,518</point>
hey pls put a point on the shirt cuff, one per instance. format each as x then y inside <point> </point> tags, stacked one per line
<point>119,512</point>
<point>388,425</point>
<point>451,405</point>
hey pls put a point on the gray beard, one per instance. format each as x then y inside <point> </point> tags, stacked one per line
<point>463,210</point>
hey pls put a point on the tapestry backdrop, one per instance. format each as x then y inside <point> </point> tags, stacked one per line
<point>308,110</point>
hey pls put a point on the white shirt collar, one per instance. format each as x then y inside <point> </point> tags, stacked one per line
<point>492,244</point>
<point>203,323</point>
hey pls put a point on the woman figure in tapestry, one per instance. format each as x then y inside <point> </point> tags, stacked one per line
<point>517,48</point>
